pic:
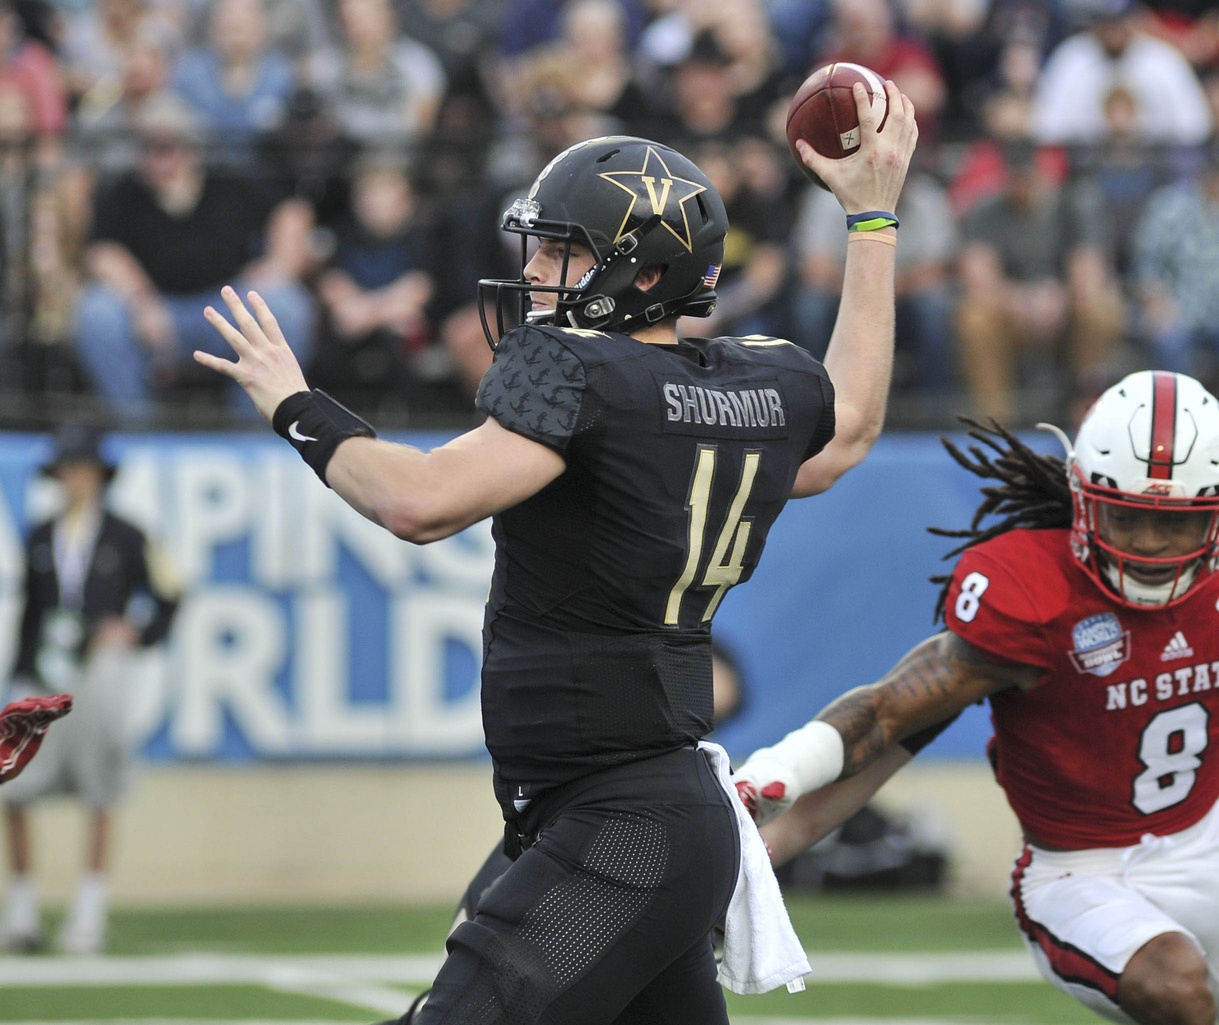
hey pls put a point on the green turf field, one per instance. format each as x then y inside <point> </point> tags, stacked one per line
<point>876,959</point>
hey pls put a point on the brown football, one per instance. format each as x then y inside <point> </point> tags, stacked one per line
<point>823,113</point>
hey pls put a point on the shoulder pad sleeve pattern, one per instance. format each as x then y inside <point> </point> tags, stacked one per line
<point>828,423</point>
<point>534,387</point>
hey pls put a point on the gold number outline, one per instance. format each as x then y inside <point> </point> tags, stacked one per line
<point>726,564</point>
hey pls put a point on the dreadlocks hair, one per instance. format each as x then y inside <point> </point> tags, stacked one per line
<point>1033,491</point>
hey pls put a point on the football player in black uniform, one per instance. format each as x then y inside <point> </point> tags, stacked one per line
<point>632,477</point>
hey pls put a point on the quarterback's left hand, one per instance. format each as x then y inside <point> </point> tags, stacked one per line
<point>265,367</point>
<point>23,724</point>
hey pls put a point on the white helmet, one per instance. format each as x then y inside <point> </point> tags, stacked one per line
<point>1150,443</point>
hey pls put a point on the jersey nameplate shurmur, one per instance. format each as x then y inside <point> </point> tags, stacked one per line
<point>715,407</point>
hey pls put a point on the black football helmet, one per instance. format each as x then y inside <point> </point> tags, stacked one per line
<point>635,204</point>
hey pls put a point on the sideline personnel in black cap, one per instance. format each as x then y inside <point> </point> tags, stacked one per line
<point>95,590</point>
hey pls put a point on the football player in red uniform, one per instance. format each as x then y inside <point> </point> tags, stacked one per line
<point>1086,615</point>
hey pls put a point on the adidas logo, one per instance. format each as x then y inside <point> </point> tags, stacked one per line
<point>1178,647</point>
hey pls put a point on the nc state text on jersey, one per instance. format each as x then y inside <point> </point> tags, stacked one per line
<point>1166,686</point>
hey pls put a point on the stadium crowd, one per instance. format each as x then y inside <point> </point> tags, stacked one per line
<point>351,160</point>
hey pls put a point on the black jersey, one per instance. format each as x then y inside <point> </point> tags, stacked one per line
<point>597,634</point>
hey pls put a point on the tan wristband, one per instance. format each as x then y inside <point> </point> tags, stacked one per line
<point>872,236</point>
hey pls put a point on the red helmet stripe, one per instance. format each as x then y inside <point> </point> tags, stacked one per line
<point>1163,425</point>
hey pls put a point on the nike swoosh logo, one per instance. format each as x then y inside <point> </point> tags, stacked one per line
<point>296,435</point>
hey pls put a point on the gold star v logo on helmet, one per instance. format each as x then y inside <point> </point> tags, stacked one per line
<point>656,190</point>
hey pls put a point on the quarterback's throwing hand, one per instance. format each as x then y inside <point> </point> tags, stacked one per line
<point>23,724</point>
<point>265,366</point>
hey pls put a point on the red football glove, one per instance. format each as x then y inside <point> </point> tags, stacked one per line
<point>22,727</point>
<point>772,794</point>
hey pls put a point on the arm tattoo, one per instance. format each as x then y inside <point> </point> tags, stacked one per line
<point>933,682</point>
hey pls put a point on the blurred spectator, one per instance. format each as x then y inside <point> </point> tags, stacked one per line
<point>755,268</point>
<point>985,47</point>
<point>1176,267</point>
<point>236,82</point>
<point>385,87</point>
<point>743,32</point>
<point>980,171</point>
<point>587,67</point>
<point>1124,170</point>
<point>1192,26</point>
<point>379,294</point>
<point>308,155</point>
<point>703,104</point>
<point>97,39</point>
<point>593,35</point>
<point>95,590</point>
<point>40,21</point>
<point>105,137</point>
<point>1038,300</point>
<point>767,167</point>
<point>41,228</point>
<point>164,240</point>
<point>297,28</point>
<point>39,236</point>
<point>55,243</point>
<point>1210,88</point>
<point>28,66</point>
<point>16,177</point>
<point>526,24</point>
<point>799,27</point>
<point>926,254</point>
<point>866,32</point>
<point>463,35</point>
<point>538,123</point>
<point>1114,51</point>
<point>461,332</point>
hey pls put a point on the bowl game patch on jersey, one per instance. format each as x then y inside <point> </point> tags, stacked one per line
<point>1101,645</point>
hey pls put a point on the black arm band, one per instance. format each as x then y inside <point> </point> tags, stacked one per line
<point>917,741</point>
<point>315,425</point>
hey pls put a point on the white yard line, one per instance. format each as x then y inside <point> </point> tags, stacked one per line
<point>213,1021</point>
<point>283,971</point>
<point>367,981</point>
<point>216,969</point>
<point>387,1002</point>
<point>737,1020</point>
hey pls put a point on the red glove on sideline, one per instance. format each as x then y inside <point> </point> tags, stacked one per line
<point>22,727</point>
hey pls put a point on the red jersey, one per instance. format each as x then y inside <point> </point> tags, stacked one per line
<point>1118,737</point>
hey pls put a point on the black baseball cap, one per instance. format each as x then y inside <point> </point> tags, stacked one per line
<point>78,443</point>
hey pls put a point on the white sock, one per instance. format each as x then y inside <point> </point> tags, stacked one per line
<point>91,898</point>
<point>21,905</point>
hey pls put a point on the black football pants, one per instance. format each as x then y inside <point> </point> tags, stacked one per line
<point>606,919</point>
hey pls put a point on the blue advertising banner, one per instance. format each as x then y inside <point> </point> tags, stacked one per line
<point>308,632</point>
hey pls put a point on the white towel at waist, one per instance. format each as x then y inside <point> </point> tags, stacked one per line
<point>761,948</point>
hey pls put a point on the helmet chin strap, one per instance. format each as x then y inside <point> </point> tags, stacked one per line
<point>1149,594</point>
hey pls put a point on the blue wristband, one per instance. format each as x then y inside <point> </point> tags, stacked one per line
<point>871,220</point>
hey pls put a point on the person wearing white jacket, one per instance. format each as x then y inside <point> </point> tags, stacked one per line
<point>1113,51</point>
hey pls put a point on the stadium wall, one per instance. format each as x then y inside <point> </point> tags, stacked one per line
<point>318,700</point>
<point>339,834</point>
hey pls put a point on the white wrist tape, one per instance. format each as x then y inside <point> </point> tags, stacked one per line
<point>813,756</point>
